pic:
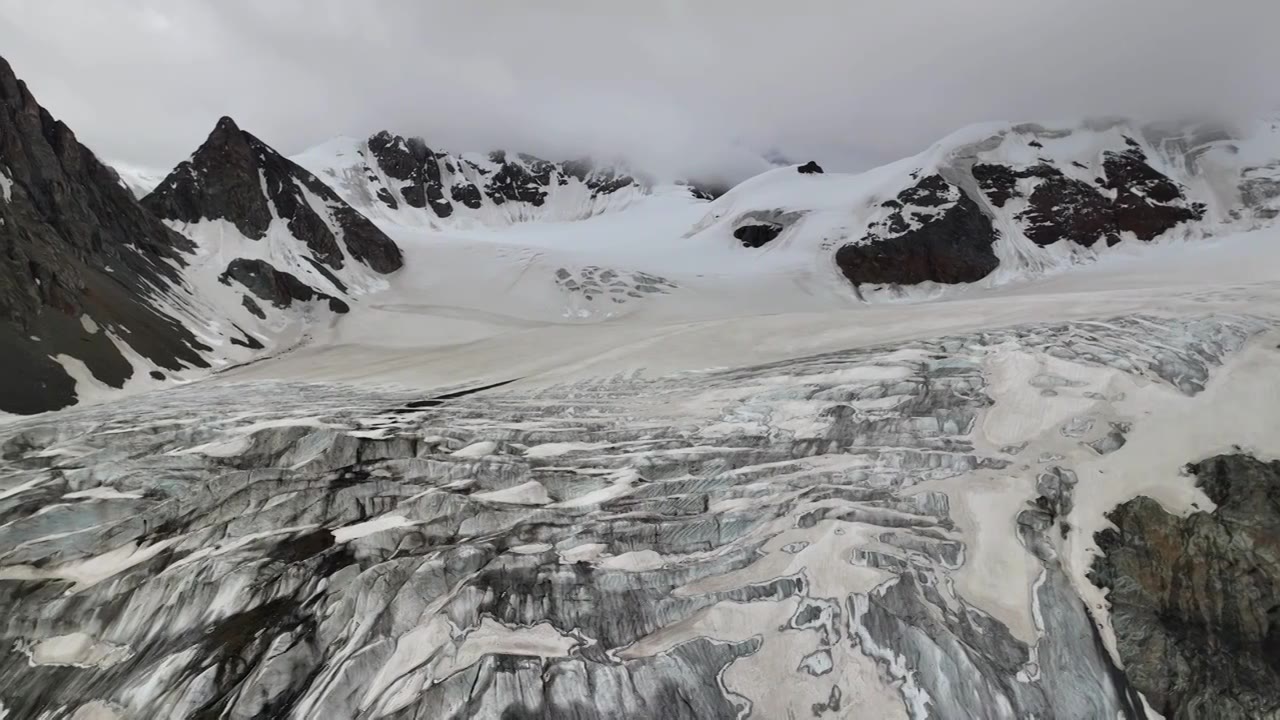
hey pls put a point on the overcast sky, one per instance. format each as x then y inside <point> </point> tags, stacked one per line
<point>685,84</point>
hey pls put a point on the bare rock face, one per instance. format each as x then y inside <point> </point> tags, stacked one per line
<point>425,178</point>
<point>236,177</point>
<point>413,163</point>
<point>213,185</point>
<point>810,168</point>
<point>758,228</point>
<point>275,286</point>
<point>1195,601</point>
<point>1129,197</point>
<point>523,182</point>
<point>757,235</point>
<point>80,262</point>
<point>935,233</point>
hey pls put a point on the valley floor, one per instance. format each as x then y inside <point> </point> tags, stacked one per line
<point>476,308</point>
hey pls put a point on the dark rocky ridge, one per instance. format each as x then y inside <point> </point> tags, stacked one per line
<point>224,180</point>
<point>949,243</point>
<point>75,243</point>
<point>1145,202</point>
<point>1195,601</point>
<point>412,162</point>
<point>428,178</point>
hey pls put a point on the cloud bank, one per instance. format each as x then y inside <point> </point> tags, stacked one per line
<point>695,87</point>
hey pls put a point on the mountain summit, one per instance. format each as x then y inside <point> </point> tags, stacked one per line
<point>87,276</point>
<point>285,236</point>
<point>236,177</point>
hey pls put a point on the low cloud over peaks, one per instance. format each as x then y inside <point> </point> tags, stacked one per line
<point>693,88</point>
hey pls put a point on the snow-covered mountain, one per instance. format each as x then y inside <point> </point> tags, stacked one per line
<point>267,232</point>
<point>97,292</point>
<point>491,436</point>
<point>996,203</point>
<point>93,291</point>
<point>405,181</point>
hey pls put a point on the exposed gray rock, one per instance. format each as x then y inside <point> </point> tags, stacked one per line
<point>934,233</point>
<point>1195,601</point>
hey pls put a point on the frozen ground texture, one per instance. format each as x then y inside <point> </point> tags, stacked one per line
<point>899,530</point>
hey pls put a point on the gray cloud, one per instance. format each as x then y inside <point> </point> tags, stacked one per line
<point>687,86</point>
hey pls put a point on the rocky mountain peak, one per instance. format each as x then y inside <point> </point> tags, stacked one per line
<point>83,264</point>
<point>226,124</point>
<point>218,182</point>
<point>236,177</point>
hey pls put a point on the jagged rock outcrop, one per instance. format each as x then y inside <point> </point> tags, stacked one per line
<point>757,235</point>
<point>212,184</point>
<point>810,168</point>
<point>759,228</point>
<point>236,177</point>
<point>82,265</point>
<point>276,287</point>
<point>413,163</point>
<point>406,180</point>
<point>1129,196</point>
<point>1195,600</point>
<point>934,233</point>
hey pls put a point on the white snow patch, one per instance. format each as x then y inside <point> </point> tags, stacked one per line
<point>582,553</point>
<point>542,640</point>
<point>476,450</point>
<point>634,561</point>
<point>369,527</point>
<point>529,493</point>
<point>90,571</point>
<point>77,650</point>
<point>556,449</point>
<point>101,493</point>
<point>98,710</point>
<point>531,549</point>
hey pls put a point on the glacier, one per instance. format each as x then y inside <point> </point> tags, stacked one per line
<point>390,431</point>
